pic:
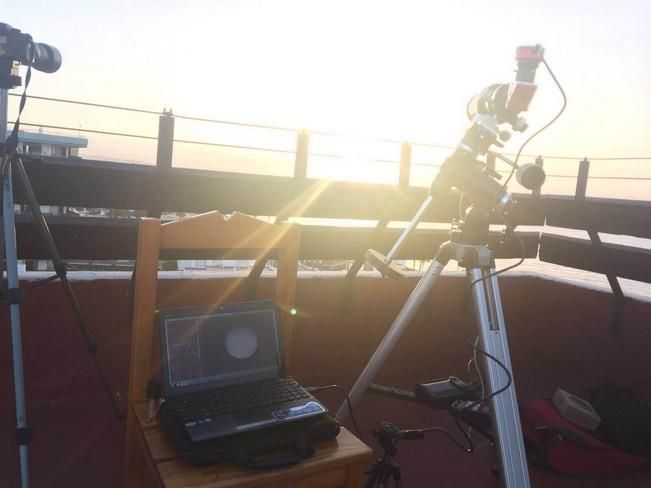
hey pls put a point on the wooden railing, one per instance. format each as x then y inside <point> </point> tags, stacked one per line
<point>98,184</point>
<point>151,190</point>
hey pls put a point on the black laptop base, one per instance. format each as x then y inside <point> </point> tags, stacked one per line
<point>236,409</point>
<point>256,449</point>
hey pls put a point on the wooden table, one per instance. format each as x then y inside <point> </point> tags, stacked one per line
<point>338,463</point>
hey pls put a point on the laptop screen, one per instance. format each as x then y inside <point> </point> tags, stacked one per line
<point>209,347</point>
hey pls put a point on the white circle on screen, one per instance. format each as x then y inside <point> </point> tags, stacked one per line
<point>241,342</point>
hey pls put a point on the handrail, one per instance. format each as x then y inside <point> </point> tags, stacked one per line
<point>275,127</point>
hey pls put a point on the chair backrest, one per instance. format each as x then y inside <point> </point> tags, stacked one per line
<point>238,236</point>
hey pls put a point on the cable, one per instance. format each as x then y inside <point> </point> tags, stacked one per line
<point>477,369</point>
<point>316,132</point>
<point>92,131</point>
<point>522,146</point>
<point>92,104</point>
<point>181,141</point>
<point>350,405</point>
<point>509,376</point>
<point>11,143</point>
<point>465,449</point>
<point>475,347</point>
<point>513,170</point>
<point>523,251</point>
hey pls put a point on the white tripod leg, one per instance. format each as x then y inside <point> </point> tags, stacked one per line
<point>9,230</point>
<point>417,297</point>
<point>505,416</point>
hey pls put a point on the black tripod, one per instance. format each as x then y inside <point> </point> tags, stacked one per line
<point>17,48</point>
<point>386,467</point>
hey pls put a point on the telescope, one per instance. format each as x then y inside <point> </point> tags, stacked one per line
<point>494,107</point>
<point>494,113</point>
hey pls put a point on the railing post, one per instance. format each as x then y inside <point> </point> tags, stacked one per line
<point>165,139</point>
<point>300,172</point>
<point>164,152</point>
<point>582,179</point>
<point>540,163</point>
<point>302,151</point>
<point>599,252</point>
<point>405,164</point>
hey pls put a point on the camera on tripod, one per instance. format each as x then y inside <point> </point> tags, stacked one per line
<point>18,48</point>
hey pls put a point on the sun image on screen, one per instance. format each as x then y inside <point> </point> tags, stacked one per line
<point>241,342</point>
<point>222,347</point>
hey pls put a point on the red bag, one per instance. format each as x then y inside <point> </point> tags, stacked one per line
<point>564,447</point>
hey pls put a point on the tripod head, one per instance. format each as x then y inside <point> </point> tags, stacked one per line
<point>17,48</point>
<point>388,435</point>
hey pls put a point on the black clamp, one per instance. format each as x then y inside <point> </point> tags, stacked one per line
<point>153,390</point>
<point>24,435</point>
<point>61,269</point>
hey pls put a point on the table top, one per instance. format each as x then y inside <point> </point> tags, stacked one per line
<point>330,459</point>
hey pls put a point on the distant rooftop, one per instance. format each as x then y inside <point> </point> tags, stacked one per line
<point>42,138</point>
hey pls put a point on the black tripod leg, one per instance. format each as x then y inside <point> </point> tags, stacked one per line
<point>60,267</point>
<point>397,477</point>
<point>384,479</point>
<point>372,477</point>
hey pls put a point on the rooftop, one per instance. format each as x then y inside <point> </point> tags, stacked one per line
<point>45,138</point>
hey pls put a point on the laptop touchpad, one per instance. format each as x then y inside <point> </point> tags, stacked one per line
<point>251,418</point>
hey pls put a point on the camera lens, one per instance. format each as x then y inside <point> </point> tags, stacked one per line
<point>46,58</point>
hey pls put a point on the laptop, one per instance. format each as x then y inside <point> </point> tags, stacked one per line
<point>223,370</point>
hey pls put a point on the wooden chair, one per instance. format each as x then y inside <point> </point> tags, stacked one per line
<point>337,463</point>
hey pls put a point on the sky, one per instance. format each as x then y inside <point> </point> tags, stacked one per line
<point>403,70</point>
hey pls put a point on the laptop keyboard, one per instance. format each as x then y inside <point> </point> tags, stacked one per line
<point>234,398</point>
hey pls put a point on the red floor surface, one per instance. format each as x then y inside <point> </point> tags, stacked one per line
<point>559,337</point>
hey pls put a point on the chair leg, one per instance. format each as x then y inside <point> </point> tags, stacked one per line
<point>354,476</point>
<point>134,456</point>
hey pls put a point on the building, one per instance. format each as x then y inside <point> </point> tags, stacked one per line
<point>41,144</point>
<point>56,145</point>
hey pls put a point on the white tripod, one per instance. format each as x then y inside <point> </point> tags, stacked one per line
<point>496,105</point>
<point>466,248</point>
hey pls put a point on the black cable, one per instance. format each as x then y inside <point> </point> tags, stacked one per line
<point>513,170</point>
<point>469,450</point>
<point>509,376</point>
<point>522,146</point>
<point>11,143</point>
<point>350,405</point>
<point>9,147</point>
<point>523,251</point>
